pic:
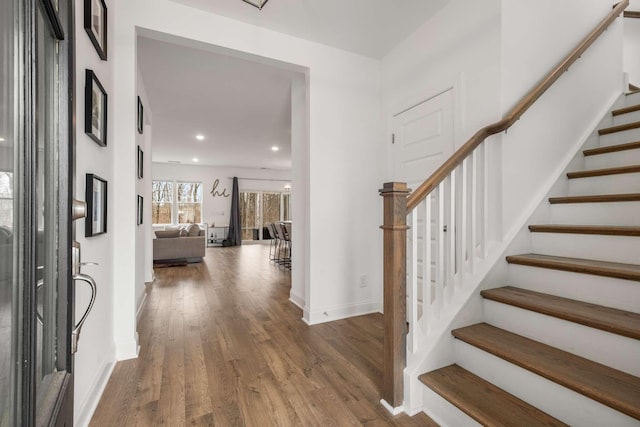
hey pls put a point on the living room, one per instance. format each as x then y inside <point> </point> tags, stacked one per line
<point>232,119</point>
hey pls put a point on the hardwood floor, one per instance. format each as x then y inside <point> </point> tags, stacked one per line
<point>222,345</point>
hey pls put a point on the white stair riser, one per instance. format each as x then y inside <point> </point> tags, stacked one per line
<point>443,412</point>
<point>557,401</point>
<point>609,292</point>
<point>620,137</point>
<point>632,99</point>
<point>608,184</point>
<point>612,160</point>
<point>612,213</point>
<point>623,119</point>
<point>625,249</point>
<point>603,347</point>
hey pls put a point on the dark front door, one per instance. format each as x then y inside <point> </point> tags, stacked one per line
<point>36,149</point>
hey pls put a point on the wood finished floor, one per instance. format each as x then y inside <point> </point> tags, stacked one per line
<point>222,345</point>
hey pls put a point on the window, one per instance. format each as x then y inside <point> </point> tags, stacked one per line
<point>189,202</point>
<point>162,202</point>
<point>176,202</point>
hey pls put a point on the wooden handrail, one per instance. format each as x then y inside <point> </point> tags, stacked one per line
<point>514,114</point>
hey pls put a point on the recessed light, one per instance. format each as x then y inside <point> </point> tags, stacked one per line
<point>195,159</point>
<point>275,148</point>
<point>200,137</point>
<point>1,139</point>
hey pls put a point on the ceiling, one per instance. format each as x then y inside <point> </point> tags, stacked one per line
<point>243,108</point>
<point>368,27</point>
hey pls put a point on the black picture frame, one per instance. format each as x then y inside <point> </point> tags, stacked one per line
<point>95,23</point>
<point>95,109</point>
<point>140,163</point>
<point>96,197</point>
<point>140,117</point>
<point>140,210</point>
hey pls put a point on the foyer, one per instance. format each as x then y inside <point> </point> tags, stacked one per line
<point>222,345</point>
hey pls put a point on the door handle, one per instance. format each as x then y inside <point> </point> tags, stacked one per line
<point>75,334</point>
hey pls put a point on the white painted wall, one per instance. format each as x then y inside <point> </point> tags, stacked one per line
<point>216,209</point>
<point>144,248</point>
<point>96,349</point>
<point>632,44</point>
<point>459,47</point>
<point>535,37</point>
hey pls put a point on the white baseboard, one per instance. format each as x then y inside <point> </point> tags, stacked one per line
<point>85,410</point>
<point>391,409</point>
<point>329,314</point>
<point>142,303</point>
<point>296,300</point>
<point>127,348</point>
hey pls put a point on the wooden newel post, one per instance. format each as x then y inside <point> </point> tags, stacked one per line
<point>395,300</point>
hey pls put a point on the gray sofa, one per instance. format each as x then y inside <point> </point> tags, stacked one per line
<point>173,244</point>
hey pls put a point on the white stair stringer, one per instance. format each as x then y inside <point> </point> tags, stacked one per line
<point>620,183</point>
<point>624,249</point>
<point>560,402</point>
<point>609,349</point>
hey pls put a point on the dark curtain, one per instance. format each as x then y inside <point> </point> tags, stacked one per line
<point>235,225</point>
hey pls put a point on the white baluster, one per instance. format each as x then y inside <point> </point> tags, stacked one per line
<point>474,210</point>
<point>440,236</point>
<point>427,312</point>
<point>412,282</point>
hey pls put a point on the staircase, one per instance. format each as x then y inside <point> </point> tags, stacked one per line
<point>560,342</point>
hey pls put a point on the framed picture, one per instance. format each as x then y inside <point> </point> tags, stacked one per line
<point>96,197</point>
<point>95,23</point>
<point>140,209</point>
<point>95,109</point>
<point>140,116</point>
<point>140,162</point>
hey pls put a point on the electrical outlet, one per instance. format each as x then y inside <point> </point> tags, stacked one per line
<point>364,281</point>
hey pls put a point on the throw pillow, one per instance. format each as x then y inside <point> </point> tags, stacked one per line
<point>193,230</point>
<point>161,234</point>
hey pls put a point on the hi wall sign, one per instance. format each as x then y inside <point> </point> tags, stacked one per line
<point>214,190</point>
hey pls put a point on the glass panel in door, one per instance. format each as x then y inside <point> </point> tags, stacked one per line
<point>46,206</point>
<point>10,307</point>
<point>270,211</point>
<point>249,215</point>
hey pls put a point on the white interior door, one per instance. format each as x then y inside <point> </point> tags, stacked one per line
<point>423,139</point>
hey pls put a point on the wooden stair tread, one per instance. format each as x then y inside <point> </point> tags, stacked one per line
<point>631,14</point>
<point>612,148</point>
<point>483,401</point>
<point>608,319</point>
<point>603,172</point>
<point>578,265</point>
<point>626,110</point>
<point>599,198</point>
<point>616,389</point>
<point>604,230</point>
<point>619,128</point>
